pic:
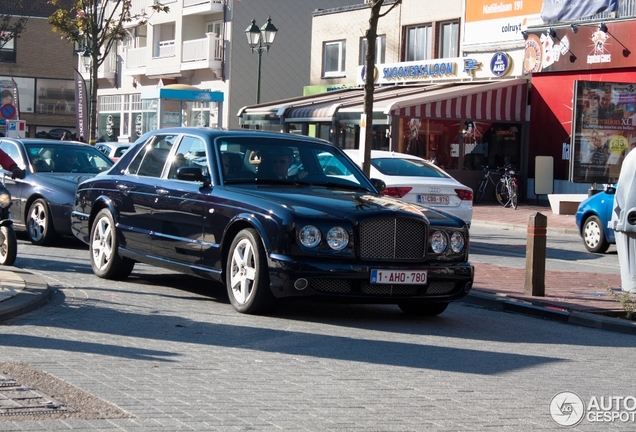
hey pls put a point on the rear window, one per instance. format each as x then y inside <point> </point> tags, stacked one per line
<point>407,167</point>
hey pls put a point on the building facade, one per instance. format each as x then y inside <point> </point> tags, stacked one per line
<point>39,64</point>
<point>193,65</point>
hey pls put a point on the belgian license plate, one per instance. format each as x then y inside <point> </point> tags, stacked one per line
<point>433,199</point>
<point>398,277</point>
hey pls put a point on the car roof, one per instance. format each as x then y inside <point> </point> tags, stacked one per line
<point>45,141</point>
<point>213,133</point>
<point>356,154</point>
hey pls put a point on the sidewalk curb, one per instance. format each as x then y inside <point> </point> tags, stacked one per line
<point>585,319</point>
<point>35,294</point>
<point>523,228</point>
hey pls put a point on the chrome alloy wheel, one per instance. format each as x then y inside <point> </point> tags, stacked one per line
<point>243,271</point>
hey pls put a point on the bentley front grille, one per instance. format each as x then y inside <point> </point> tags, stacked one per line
<point>392,239</point>
<point>338,286</point>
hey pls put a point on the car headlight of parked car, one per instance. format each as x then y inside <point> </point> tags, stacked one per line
<point>440,240</point>
<point>337,238</point>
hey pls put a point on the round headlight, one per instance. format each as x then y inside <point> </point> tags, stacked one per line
<point>438,241</point>
<point>310,236</point>
<point>5,199</point>
<point>337,238</point>
<point>457,242</point>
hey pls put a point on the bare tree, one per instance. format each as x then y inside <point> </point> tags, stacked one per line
<point>98,25</point>
<point>11,22</point>
<point>369,81</point>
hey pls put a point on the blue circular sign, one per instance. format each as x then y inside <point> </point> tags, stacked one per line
<point>7,111</point>
<point>500,64</point>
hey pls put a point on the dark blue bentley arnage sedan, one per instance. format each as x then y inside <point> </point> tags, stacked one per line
<point>262,213</point>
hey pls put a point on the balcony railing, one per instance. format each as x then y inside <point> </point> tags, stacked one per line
<point>136,58</point>
<point>206,49</point>
<point>165,49</point>
<point>201,7</point>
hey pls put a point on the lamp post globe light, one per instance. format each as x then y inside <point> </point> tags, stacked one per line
<point>260,40</point>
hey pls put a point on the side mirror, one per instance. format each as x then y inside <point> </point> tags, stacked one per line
<point>191,174</point>
<point>378,184</point>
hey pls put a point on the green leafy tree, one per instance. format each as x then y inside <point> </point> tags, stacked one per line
<point>11,22</point>
<point>369,82</point>
<point>97,25</point>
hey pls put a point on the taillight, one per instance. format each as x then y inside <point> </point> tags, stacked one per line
<point>464,194</point>
<point>397,192</point>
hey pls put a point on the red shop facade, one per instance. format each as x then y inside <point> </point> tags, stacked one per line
<point>560,59</point>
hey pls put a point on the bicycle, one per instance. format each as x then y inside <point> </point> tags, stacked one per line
<point>483,183</point>
<point>507,190</point>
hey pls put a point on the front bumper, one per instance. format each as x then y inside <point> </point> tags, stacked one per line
<point>351,282</point>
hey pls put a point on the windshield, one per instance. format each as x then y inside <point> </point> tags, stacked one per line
<point>407,167</point>
<point>287,160</point>
<point>66,158</point>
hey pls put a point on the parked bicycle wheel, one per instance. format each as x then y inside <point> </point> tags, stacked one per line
<point>501,192</point>
<point>514,193</point>
<point>481,190</point>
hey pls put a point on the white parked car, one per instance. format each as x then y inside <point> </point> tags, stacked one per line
<point>414,179</point>
<point>113,150</point>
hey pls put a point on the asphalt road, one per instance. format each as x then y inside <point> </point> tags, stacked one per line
<point>170,353</point>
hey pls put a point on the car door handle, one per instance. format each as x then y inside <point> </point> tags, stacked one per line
<point>162,192</point>
<point>123,188</point>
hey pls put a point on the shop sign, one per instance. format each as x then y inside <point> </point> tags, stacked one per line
<point>579,48</point>
<point>500,64</point>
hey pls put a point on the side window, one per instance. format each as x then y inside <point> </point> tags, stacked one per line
<point>12,150</point>
<point>191,152</point>
<point>333,58</point>
<point>150,161</point>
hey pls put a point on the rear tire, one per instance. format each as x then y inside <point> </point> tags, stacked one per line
<point>422,308</point>
<point>104,246</point>
<point>247,275</point>
<point>514,199</point>
<point>8,246</point>
<point>39,223</point>
<point>481,191</point>
<point>594,236</point>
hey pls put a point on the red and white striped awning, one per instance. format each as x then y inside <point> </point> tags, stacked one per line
<point>498,101</point>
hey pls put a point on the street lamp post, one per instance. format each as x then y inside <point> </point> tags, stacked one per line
<point>260,40</point>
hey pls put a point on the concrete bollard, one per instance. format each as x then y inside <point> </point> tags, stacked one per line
<point>535,255</point>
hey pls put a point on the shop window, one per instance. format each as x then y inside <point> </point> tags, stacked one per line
<point>380,50</point>
<point>419,41</point>
<point>333,59</point>
<point>55,96</point>
<point>7,51</point>
<point>448,44</point>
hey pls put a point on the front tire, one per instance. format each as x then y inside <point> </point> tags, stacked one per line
<point>104,246</point>
<point>39,223</point>
<point>246,275</point>
<point>8,246</point>
<point>594,236</point>
<point>501,191</point>
<point>422,308</point>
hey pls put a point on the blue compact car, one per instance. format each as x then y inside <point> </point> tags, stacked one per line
<point>592,217</point>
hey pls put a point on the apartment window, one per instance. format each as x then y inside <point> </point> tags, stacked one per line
<point>448,40</point>
<point>333,59</point>
<point>419,41</point>
<point>380,50</point>
<point>164,40</point>
<point>7,51</point>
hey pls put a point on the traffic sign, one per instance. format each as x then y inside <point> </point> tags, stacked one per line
<point>8,111</point>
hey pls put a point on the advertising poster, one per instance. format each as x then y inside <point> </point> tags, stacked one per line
<point>604,131</point>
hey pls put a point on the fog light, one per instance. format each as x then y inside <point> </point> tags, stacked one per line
<point>468,286</point>
<point>301,284</point>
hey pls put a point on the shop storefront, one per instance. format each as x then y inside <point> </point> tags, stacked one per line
<point>124,118</point>
<point>583,102</point>
<point>462,126</point>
